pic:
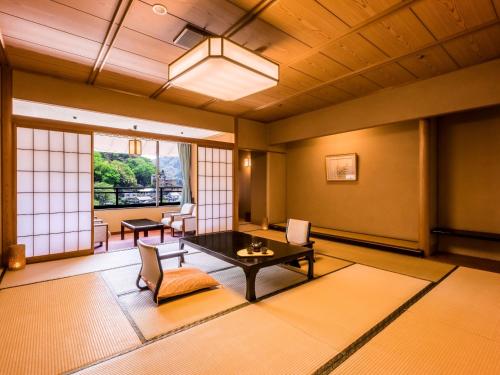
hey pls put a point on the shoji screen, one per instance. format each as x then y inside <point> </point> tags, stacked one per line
<point>54,187</point>
<point>215,190</point>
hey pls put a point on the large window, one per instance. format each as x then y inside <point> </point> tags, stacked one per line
<point>123,180</point>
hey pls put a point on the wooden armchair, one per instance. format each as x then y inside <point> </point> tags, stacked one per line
<point>171,282</point>
<point>101,233</point>
<point>184,223</point>
<point>168,217</point>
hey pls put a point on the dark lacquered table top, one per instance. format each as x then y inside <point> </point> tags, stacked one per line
<point>141,223</point>
<point>225,245</point>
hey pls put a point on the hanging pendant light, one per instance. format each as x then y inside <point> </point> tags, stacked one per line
<point>135,145</point>
<point>222,69</point>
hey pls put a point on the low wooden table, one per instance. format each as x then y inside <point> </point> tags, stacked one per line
<point>225,245</point>
<point>142,225</point>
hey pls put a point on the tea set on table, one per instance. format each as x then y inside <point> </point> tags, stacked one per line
<point>255,249</point>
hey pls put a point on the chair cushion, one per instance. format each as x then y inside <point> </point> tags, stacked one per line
<point>167,221</point>
<point>184,280</point>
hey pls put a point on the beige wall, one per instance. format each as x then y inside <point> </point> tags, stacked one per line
<point>468,88</point>
<point>384,200</point>
<point>253,135</point>
<point>115,216</point>
<point>258,187</point>
<point>469,178</point>
<point>276,187</point>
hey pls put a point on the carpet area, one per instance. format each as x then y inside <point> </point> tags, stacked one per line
<point>60,325</point>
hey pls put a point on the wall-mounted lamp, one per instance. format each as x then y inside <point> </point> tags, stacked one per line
<point>135,145</point>
<point>247,162</point>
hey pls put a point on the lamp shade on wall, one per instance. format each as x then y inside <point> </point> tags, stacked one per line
<point>134,147</point>
<point>222,69</point>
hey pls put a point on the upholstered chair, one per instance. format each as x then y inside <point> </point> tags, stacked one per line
<point>168,217</point>
<point>184,223</point>
<point>101,233</point>
<point>172,282</point>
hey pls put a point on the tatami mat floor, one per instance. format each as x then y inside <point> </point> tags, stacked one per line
<point>99,322</point>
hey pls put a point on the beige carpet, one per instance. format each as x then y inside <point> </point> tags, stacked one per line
<point>339,308</point>
<point>404,264</point>
<point>153,320</point>
<point>53,327</point>
<point>322,265</point>
<point>246,341</point>
<point>455,329</point>
<point>269,279</point>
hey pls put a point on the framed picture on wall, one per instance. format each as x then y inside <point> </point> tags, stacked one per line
<point>341,167</point>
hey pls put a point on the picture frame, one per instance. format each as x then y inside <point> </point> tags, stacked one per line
<point>343,167</point>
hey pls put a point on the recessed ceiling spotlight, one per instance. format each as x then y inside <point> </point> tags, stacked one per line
<point>159,9</point>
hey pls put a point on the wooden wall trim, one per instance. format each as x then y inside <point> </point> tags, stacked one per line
<point>8,165</point>
<point>424,227</point>
<point>464,89</point>
<point>236,185</point>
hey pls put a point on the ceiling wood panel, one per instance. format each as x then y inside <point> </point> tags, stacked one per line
<point>122,80</point>
<point>149,47</point>
<point>57,16</point>
<point>64,66</point>
<point>320,67</point>
<point>331,94</point>
<point>279,91</point>
<point>271,42</point>
<point>398,34</point>
<point>355,12</point>
<point>100,8</point>
<point>357,86</point>
<point>389,75</point>
<point>43,36</point>
<point>430,63</point>
<point>475,48</point>
<point>305,20</point>
<point>137,65</point>
<point>232,108</point>
<point>183,97</point>
<point>444,18</point>
<point>297,80</point>
<point>142,19</point>
<point>215,16</point>
<point>355,52</point>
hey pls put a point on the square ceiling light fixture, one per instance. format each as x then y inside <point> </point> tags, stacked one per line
<point>222,69</point>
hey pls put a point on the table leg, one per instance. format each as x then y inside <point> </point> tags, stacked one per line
<point>162,234</point>
<point>310,268</point>
<point>146,233</point>
<point>181,246</point>
<point>122,232</point>
<point>136,237</point>
<point>250,276</point>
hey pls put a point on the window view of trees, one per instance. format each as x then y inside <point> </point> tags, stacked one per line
<point>124,180</point>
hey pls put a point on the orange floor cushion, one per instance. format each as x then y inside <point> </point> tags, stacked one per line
<point>184,280</point>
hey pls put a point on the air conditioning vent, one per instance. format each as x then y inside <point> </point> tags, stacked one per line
<point>190,36</point>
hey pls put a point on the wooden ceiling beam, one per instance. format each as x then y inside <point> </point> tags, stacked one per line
<point>378,65</point>
<point>238,25</point>
<point>111,34</point>
<point>4,59</point>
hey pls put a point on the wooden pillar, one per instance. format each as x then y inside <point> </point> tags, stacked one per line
<point>236,185</point>
<point>426,181</point>
<point>8,165</point>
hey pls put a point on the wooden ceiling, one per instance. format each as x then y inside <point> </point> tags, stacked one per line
<point>329,51</point>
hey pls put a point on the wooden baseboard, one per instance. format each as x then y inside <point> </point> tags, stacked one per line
<point>72,254</point>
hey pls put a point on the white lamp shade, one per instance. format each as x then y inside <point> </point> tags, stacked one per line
<point>220,68</point>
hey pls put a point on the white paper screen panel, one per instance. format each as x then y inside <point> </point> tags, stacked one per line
<point>54,205</point>
<point>215,190</point>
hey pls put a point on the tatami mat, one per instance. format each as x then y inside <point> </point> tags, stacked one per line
<point>268,280</point>
<point>153,320</point>
<point>246,341</point>
<point>339,308</point>
<point>122,280</point>
<point>79,265</point>
<point>452,330</point>
<point>404,264</point>
<point>322,265</point>
<point>52,327</point>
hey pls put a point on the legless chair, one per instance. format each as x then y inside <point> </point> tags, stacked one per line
<point>297,233</point>
<point>169,217</point>
<point>172,282</point>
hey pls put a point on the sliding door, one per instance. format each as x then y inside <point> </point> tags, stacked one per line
<point>215,190</point>
<point>54,186</point>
